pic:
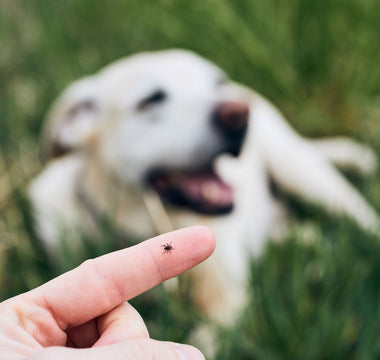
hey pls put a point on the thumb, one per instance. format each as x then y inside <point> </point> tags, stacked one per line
<point>138,349</point>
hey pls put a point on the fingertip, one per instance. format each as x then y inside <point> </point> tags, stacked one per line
<point>200,235</point>
<point>206,235</point>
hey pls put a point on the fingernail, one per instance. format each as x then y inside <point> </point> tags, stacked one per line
<point>187,352</point>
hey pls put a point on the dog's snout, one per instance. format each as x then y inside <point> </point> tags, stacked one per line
<point>232,116</point>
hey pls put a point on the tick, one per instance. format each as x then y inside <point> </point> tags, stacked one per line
<point>167,248</point>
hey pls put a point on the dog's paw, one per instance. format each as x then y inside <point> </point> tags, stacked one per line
<point>348,154</point>
<point>367,163</point>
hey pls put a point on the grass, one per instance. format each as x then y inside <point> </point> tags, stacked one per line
<point>312,298</point>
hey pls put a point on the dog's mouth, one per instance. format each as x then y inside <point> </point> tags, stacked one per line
<point>202,190</point>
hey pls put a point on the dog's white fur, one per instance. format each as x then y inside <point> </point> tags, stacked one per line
<point>111,145</point>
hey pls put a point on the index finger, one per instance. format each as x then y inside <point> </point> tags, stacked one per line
<point>99,285</point>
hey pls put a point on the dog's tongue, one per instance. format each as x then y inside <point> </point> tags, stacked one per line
<point>206,187</point>
<point>204,191</point>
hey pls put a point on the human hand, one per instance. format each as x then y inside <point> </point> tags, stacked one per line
<point>83,313</point>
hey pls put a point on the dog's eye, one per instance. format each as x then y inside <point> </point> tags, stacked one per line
<point>222,80</point>
<point>156,97</point>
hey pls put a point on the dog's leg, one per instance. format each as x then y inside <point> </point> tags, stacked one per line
<point>296,165</point>
<point>218,296</point>
<point>348,154</point>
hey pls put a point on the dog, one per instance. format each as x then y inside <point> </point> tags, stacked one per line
<point>163,140</point>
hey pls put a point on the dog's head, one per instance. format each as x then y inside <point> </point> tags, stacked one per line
<point>156,119</point>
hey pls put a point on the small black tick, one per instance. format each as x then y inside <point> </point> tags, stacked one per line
<point>167,248</point>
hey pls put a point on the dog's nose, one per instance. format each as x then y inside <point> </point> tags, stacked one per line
<point>232,116</point>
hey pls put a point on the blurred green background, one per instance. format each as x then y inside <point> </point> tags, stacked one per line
<point>314,297</point>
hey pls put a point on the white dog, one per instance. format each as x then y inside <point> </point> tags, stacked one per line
<point>170,126</point>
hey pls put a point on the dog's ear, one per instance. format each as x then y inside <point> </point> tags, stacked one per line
<point>73,119</point>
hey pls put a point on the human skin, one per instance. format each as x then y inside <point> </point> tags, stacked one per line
<point>84,313</point>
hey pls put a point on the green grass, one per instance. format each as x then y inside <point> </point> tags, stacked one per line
<point>313,301</point>
<point>314,298</point>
